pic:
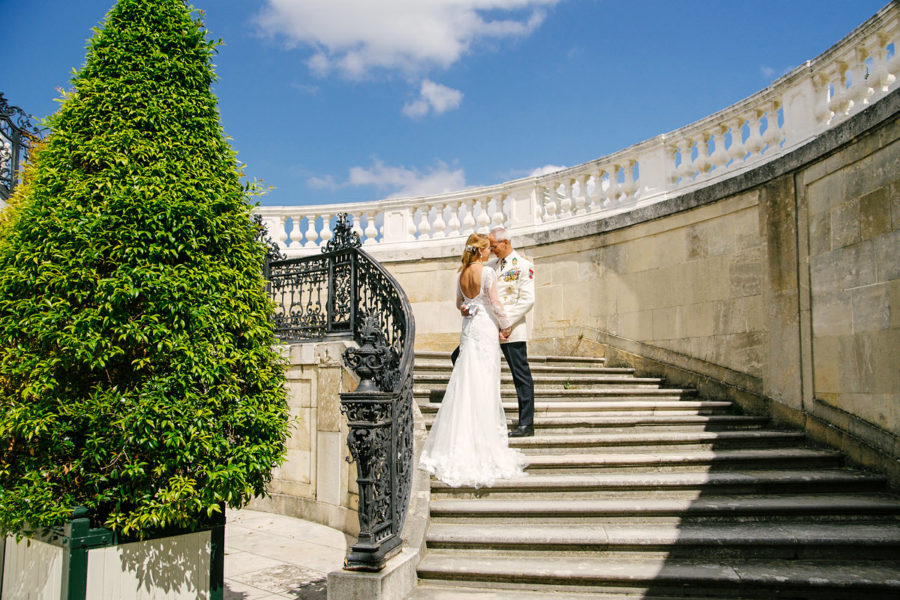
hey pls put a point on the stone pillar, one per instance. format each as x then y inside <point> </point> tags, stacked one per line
<point>783,377</point>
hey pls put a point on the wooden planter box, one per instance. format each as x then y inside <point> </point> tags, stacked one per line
<point>77,562</point>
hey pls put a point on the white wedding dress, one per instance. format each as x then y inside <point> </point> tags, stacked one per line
<point>467,444</point>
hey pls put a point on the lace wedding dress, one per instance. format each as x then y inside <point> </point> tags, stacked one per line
<point>468,444</point>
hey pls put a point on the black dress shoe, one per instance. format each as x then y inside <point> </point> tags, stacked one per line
<point>522,432</point>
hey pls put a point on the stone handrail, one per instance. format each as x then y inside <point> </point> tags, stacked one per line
<point>797,107</point>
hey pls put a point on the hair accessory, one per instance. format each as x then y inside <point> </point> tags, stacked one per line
<point>472,249</point>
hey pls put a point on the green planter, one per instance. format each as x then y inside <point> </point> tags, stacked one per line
<point>77,562</point>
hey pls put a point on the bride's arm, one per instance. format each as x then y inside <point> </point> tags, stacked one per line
<point>499,311</point>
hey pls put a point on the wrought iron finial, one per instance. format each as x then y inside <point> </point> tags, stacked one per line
<point>344,236</point>
<point>372,357</point>
<point>273,250</point>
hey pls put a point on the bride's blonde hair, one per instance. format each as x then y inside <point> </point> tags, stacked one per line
<point>474,244</point>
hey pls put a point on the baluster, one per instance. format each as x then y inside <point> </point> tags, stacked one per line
<point>296,234</point>
<point>469,219</point>
<point>548,194</point>
<point>702,162</point>
<point>439,225</point>
<point>326,229</point>
<point>737,150</point>
<point>840,100</point>
<point>581,199</point>
<point>755,142</point>
<point>277,230</point>
<point>425,224</point>
<point>413,229</point>
<point>597,194</point>
<point>858,93</point>
<point>357,226</point>
<point>672,174</point>
<point>371,231</point>
<point>454,225</point>
<point>484,220</point>
<point>685,169</point>
<point>312,236</point>
<point>719,157</point>
<point>773,135</point>
<point>499,216</point>
<point>881,76</point>
<point>821,110</point>
<point>893,63</point>
<point>612,192</point>
<point>565,204</point>
<point>628,186</point>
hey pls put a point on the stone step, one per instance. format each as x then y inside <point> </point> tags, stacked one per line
<point>628,442</point>
<point>720,578</point>
<point>438,380</point>
<point>442,590</point>
<point>747,507</point>
<point>759,481</point>
<point>420,392</point>
<point>445,367</point>
<point>587,407</point>
<point>532,358</point>
<point>677,540</point>
<point>779,458</point>
<point>634,421</point>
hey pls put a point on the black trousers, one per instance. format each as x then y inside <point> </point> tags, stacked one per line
<point>516,355</point>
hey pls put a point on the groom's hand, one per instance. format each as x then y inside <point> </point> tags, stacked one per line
<point>465,311</point>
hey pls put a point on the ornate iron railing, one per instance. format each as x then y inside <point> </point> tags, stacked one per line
<point>17,135</point>
<point>346,292</point>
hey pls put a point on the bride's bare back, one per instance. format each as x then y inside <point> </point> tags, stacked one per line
<point>470,280</point>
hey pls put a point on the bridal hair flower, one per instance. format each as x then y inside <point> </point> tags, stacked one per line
<point>472,249</point>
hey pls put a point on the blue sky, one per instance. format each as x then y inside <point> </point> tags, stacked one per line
<point>353,100</point>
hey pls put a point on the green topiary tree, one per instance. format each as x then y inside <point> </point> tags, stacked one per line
<point>138,376</point>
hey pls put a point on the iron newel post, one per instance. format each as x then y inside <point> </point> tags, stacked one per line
<point>379,410</point>
<point>343,292</point>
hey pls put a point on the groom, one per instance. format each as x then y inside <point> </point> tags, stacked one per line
<point>515,287</point>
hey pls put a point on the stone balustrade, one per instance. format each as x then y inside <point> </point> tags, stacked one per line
<point>796,108</point>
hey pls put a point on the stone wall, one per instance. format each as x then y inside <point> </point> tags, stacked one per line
<point>774,288</point>
<point>316,482</point>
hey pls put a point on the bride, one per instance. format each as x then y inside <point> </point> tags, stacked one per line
<point>467,445</point>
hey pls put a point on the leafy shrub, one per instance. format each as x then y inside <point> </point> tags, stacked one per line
<point>138,376</point>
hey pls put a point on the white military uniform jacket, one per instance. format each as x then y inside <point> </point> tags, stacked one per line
<point>515,286</point>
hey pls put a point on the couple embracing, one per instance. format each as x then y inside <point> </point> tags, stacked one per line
<point>467,444</point>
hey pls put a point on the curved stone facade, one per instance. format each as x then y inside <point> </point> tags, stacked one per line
<point>779,288</point>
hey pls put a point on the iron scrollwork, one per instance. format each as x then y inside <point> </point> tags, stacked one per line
<point>344,291</point>
<point>18,133</point>
<point>343,235</point>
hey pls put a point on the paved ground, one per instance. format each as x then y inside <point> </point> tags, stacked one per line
<point>271,557</point>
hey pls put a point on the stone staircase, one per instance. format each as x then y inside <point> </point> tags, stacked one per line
<point>635,490</point>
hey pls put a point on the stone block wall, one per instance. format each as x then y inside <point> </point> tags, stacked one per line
<point>850,204</point>
<point>316,482</point>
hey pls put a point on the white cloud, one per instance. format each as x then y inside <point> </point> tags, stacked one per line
<point>433,97</point>
<point>323,183</point>
<point>359,37</point>
<point>546,169</point>
<point>397,181</point>
<point>770,73</point>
